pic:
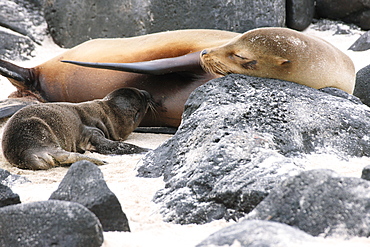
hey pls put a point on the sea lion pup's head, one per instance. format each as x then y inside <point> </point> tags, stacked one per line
<point>262,52</point>
<point>128,107</point>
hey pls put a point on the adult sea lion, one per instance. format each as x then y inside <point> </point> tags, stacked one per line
<point>285,54</point>
<point>171,65</point>
<point>43,136</point>
<point>168,81</point>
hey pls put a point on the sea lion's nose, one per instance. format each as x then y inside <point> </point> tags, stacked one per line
<point>204,52</point>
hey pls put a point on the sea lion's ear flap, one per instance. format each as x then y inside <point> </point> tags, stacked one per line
<point>281,61</point>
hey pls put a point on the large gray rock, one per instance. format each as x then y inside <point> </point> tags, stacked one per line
<point>319,202</point>
<point>84,183</point>
<point>49,223</point>
<point>71,22</point>
<point>258,233</point>
<point>350,11</point>
<point>236,140</point>
<point>24,26</point>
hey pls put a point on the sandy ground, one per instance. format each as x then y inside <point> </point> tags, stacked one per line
<point>135,194</point>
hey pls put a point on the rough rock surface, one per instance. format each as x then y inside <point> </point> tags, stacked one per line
<point>350,11</point>
<point>362,43</point>
<point>49,223</point>
<point>71,22</point>
<point>362,87</point>
<point>258,233</point>
<point>319,202</point>
<point>299,13</point>
<point>8,179</point>
<point>23,27</point>
<point>84,184</point>
<point>236,142</point>
<point>7,196</point>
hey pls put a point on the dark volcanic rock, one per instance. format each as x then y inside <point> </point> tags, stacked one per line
<point>257,233</point>
<point>235,141</point>
<point>299,14</point>
<point>72,22</point>
<point>362,87</point>
<point>26,27</point>
<point>319,202</point>
<point>7,196</point>
<point>350,11</point>
<point>366,173</point>
<point>84,183</point>
<point>49,223</point>
<point>362,43</point>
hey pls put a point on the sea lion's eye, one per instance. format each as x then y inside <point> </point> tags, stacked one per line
<point>241,57</point>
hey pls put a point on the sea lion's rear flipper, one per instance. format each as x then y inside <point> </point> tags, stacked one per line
<point>49,158</point>
<point>189,62</point>
<point>10,106</point>
<point>20,77</point>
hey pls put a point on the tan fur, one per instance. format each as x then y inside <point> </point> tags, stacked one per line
<point>285,54</point>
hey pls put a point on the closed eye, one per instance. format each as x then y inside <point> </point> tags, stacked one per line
<point>241,57</point>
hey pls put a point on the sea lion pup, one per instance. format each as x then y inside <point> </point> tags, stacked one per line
<point>43,136</point>
<point>170,74</point>
<point>285,54</point>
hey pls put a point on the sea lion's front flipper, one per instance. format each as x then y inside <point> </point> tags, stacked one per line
<point>10,106</point>
<point>20,77</point>
<point>189,62</point>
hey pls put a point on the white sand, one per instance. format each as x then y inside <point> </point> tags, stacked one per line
<point>135,194</point>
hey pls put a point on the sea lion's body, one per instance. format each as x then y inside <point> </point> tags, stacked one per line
<point>175,67</point>
<point>56,81</point>
<point>42,136</point>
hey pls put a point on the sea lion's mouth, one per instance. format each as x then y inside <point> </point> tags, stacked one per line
<point>215,67</point>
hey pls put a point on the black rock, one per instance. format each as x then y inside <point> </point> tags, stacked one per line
<point>49,223</point>
<point>25,27</point>
<point>257,233</point>
<point>15,46</point>
<point>350,11</point>
<point>299,14</point>
<point>319,202</point>
<point>366,173</point>
<point>362,43</point>
<point>84,183</point>
<point>71,22</point>
<point>7,196</point>
<point>237,137</point>
<point>362,86</point>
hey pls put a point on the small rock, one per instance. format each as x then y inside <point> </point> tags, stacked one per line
<point>299,13</point>
<point>84,184</point>
<point>7,196</point>
<point>362,87</point>
<point>49,223</point>
<point>362,43</point>
<point>366,173</point>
